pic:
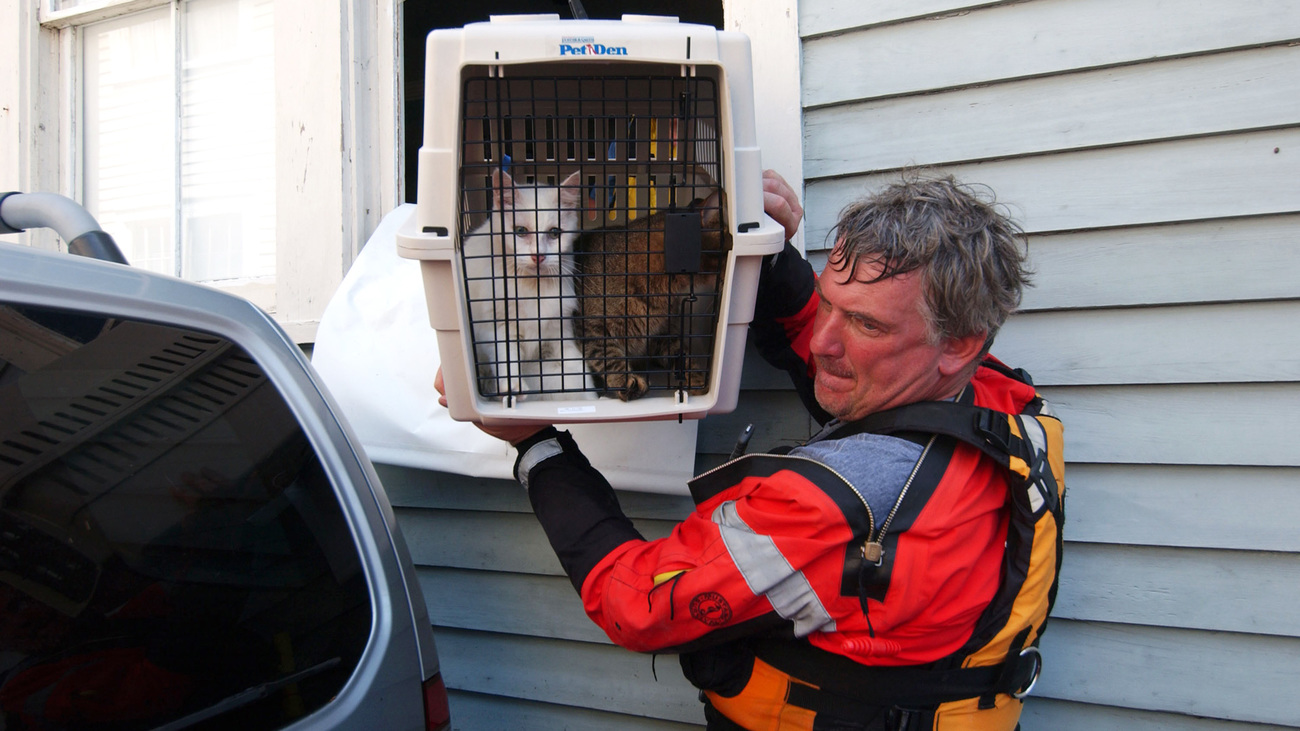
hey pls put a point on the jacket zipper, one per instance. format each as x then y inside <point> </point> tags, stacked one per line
<point>874,550</point>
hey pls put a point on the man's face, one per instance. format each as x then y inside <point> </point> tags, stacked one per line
<point>871,346</point>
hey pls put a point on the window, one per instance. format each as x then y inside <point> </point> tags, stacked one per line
<point>177,137</point>
<point>210,140</point>
<point>171,550</point>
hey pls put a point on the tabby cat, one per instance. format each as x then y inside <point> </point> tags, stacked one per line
<point>634,319</point>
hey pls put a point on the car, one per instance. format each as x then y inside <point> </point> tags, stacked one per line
<point>190,535</point>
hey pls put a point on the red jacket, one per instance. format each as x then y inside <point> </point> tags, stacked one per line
<point>676,591</point>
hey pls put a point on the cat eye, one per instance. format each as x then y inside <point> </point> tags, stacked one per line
<point>554,232</point>
<point>521,231</point>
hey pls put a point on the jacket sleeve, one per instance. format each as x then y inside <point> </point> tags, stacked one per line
<point>765,555</point>
<point>713,578</point>
<point>574,502</point>
<point>783,317</point>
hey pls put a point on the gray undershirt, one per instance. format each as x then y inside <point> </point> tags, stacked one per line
<point>876,464</point>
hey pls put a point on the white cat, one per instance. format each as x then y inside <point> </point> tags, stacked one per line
<point>519,278</point>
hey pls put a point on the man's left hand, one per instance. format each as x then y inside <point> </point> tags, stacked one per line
<point>508,433</point>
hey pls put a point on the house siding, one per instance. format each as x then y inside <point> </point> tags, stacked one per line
<point>1151,151</point>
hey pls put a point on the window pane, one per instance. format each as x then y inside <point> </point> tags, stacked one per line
<point>228,144</point>
<point>225,130</point>
<point>170,547</point>
<point>129,113</point>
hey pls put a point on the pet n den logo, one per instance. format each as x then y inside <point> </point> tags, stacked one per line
<point>589,47</point>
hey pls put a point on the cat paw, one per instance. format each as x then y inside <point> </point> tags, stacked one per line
<point>628,386</point>
<point>635,388</point>
<point>697,384</point>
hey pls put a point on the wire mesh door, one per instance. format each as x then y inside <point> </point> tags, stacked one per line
<point>593,233</point>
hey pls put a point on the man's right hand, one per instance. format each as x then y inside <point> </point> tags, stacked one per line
<point>781,203</point>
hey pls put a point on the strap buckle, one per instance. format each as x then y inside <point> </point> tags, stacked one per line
<point>994,428</point>
<point>1037,658</point>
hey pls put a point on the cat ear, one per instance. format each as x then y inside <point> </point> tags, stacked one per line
<point>503,189</point>
<point>711,210</point>
<point>571,191</point>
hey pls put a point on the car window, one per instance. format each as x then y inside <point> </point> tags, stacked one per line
<point>171,552</point>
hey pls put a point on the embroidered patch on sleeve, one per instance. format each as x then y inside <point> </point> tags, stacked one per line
<point>711,608</point>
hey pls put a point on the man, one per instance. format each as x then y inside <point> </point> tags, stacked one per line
<point>896,571</point>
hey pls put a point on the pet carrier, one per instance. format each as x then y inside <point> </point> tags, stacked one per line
<point>590,217</point>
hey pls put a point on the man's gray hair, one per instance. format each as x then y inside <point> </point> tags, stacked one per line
<point>972,258</point>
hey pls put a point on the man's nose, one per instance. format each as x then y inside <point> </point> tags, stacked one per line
<point>826,340</point>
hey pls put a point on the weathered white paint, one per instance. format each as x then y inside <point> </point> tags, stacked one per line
<point>1204,261</point>
<point>309,113</point>
<point>337,175</point>
<point>92,11</point>
<point>30,129</point>
<point>1192,506</point>
<point>772,27</point>
<point>1182,180</point>
<point>14,26</point>
<point>1037,38</point>
<point>1251,89</point>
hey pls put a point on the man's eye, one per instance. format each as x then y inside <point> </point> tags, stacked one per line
<point>864,324</point>
<point>521,231</point>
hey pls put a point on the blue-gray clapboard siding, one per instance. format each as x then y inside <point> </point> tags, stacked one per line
<point>1152,151</point>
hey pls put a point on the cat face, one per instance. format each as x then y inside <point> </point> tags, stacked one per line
<point>543,223</point>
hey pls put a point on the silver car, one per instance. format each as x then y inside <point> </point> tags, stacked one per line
<point>189,535</point>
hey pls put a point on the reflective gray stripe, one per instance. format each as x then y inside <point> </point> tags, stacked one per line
<point>538,453</point>
<point>768,573</point>
<point>1034,432</point>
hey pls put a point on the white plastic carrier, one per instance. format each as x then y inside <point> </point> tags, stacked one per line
<point>655,117</point>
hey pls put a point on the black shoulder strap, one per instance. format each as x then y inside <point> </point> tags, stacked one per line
<point>985,429</point>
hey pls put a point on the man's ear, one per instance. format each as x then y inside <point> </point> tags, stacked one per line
<point>957,354</point>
